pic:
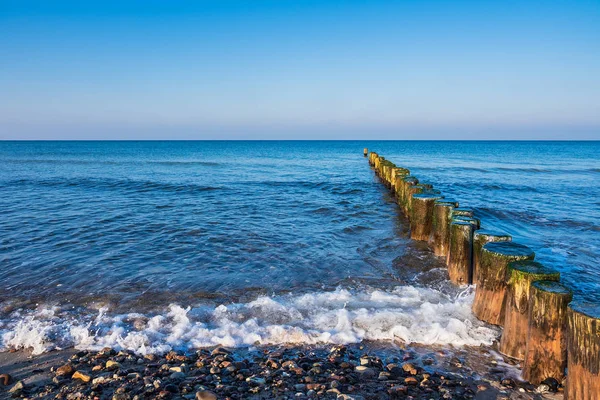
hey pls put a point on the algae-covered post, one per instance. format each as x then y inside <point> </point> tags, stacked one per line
<point>422,215</point>
<point>412,190</point>
<point>490,294</point>
<point>402,193</point>
<point>583,348</point>
<point>460,251</point>
<point>365,152</point>
<point>520,276</point>
<point>481,238</point>
<point>440,226</point>
<point>546,353</point>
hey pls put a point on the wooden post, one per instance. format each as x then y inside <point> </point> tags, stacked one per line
<point>402,194</point>
<point>583,348</point>
<point>520,276</point>
<point>422,215</point>
<point>442,215</point>
<point>412,190</point>
<point>480,238</point>
<point>462,211</point>
<point>546,353</point>
<point>460,252</point>
<point>490,294</point>
<point>397,175</point>
<point>366,152</point>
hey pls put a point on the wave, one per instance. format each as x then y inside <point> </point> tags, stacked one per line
<point>108,183</point>
<point>407,313</point>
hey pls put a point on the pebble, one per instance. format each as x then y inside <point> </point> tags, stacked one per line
<point>205,395</point>
<point>81,376</point>
<point>342,372</point>
<point>65,370</point>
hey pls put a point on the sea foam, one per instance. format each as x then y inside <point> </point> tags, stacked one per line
<point>407,313</point>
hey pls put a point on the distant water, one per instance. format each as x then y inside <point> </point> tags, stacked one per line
<point>159,245</point>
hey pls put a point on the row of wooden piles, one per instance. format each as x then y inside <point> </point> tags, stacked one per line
<point>542,327</point>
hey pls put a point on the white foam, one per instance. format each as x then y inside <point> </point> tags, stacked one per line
<point>407,313</point>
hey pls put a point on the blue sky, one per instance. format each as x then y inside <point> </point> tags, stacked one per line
<point>299,69</point>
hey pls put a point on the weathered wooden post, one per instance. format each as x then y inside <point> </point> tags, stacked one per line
<point>422,215</point>
<point>442,215</point>
<point>480,238</point>
<point>460,249</point>
<point>366,152</point>
<point>412,190</point>
<point>546,353</point>
<point>583,348</point>
<point>402,194</point>
<point>520,276</point>
<point>397,174</point>
<point>490,294</point>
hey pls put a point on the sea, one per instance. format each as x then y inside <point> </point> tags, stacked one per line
<point>157,245</point>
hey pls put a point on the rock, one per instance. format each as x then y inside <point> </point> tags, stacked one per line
<point>177,376</point>
<point>65,370</point>
<point>205,395</point>
<point>17,388</point>
<point>365,361</point>
<point>112,365</point>
<point>99,380</point>
<point>365,372</point>
<point>97,368</point>
<point>399,389</point>
<point>552,384</point>
<point>220,350</point>
<point>410,368</point>
<point>543,388</point>
<point>81,376</point>
<point>411,381</point>
<point>384,376</point>
<point>5,379</point>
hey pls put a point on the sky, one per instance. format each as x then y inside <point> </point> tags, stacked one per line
<point>285,69</point>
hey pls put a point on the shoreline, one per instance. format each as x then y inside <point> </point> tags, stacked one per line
<point>367,370</point>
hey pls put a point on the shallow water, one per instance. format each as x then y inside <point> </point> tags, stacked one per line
<point>267,242</point>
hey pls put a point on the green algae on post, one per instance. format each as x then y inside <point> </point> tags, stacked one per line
<point>583,351</point>
<point>422,215</point>
<point>402,193</point>
<point>490,293</point>
<point>546,352</point>
<point>480,238</point>
<point>520,276</point>
<point>459,252</point>
<point>440,225</point>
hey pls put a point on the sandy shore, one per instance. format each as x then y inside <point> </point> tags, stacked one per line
<point>362,371</point>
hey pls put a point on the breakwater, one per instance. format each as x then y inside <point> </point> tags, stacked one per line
<point>542,326</point>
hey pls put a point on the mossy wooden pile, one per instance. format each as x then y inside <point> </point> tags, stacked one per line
<point>542,327</point>
<point>520,276</point>
<point>546,352</point>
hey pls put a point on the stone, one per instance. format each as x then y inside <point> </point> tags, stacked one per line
<point>411,381</point>
<point>112,365</point>
<point>17,388</point>
<point>365,372</point>
<point>410,368</point>
<point>81,376</point>
<point>205,395</point>
<point>65,370</point>
<point>5,379</point>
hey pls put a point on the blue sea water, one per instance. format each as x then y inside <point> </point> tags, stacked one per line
<point>155,245</point>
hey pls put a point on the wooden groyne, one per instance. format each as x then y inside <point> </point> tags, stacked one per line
<point>542,327</point>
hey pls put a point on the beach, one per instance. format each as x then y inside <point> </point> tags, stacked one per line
<point>267,269</point>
